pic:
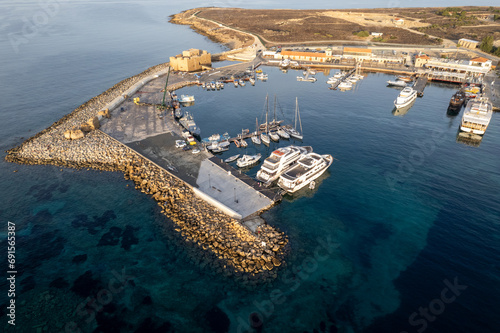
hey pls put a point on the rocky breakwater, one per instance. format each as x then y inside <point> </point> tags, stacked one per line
<point>234,248</point>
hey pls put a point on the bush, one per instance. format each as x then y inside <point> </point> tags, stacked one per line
<point>363,33</point>
<point>487,44</point>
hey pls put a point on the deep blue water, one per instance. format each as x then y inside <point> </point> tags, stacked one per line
<point>403,208</point>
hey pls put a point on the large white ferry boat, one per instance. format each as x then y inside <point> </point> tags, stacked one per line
<point>308,168</point>
<point>279,162</point>
<point>406,96</point>
<point>477,116</point>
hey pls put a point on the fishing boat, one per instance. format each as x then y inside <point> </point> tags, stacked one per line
<point>308,168</point>
<point>232,158</point>
<point>279,162</point>
<point>243,143</point>
<point>397,83</point>
<point>241,82</point>
<point>293,132</point>
<point>405,97</point>
<point>331,80</point>
<point>212,85</point>
<point>457,100</point>
<point>235,82</point>
<point>188,123</point>
<point>247,160</point>
<point>186,99</point>
<point>252,81</point>
<point>258,71</point>
<point>477,116</point>
<point>203,85</point>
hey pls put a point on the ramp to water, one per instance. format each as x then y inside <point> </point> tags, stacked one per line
<point>236,191</point>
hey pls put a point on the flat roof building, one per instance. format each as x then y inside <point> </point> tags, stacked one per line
<point>468,43</point>
<point>191,60</point>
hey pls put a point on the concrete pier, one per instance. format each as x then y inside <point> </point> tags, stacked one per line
<point>233,188</point>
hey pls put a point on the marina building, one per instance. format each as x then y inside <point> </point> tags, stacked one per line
<point>357,53</point>
<point>474,66</point>
<point>468,43</point>
<point>305,56</point>
<point>191,61</point>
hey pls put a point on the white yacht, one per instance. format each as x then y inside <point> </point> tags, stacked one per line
<point>477,116</point>
<point>405,97</point>
<point>308,168</point>
<point>247,160</point>
<point>279,162</point>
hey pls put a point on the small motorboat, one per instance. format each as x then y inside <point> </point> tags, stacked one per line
<point>243,143</point>
<point>241,82</point>
<point>282,133</point>
<point>235,82</point>
<point>345,85</point>
<point>397,83</point>
<point>186,99</point>
<point>247,160</point>
<point>232,158</point>
<point>265,138</point>
<point>274,136</point>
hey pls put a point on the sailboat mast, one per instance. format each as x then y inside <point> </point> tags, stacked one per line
<point>298,116</point>
<point>296,108</point>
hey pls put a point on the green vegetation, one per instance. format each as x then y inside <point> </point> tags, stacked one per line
<point>451,11</point>
<point>362,33</point>
<point>487,44</point>
<point>378,39</point>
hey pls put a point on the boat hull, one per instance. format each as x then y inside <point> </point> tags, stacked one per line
<point>297,186</point>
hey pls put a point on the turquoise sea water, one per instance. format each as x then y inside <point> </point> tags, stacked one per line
<point>404,212</point>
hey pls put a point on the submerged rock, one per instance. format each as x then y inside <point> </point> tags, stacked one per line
<point>112,237</point>
<point>217,320</point>
<point>78,259</point>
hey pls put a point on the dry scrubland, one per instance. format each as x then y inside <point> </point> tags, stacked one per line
<point>423,26</point>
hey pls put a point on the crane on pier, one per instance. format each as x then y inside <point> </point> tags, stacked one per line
<point>163,105</point>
